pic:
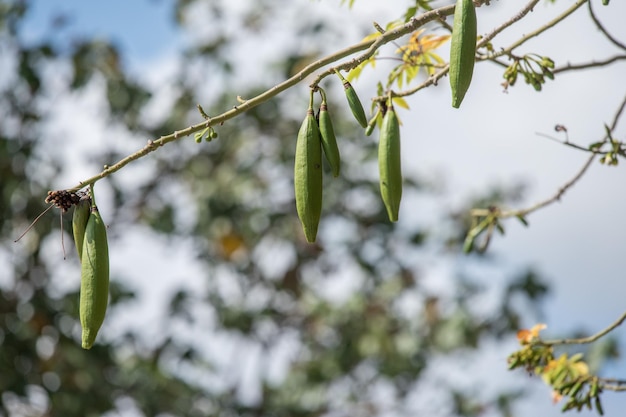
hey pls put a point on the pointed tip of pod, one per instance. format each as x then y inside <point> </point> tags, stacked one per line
<point>88,340</point>
<point>310,235</point>
<point>393,214</point>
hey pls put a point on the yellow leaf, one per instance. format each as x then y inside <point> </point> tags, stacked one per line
<point>537,328</point>
<point>437,58</point>
<point>400,102</point>
<point>394,24</point>
<point>371,36</point>
<point>418,45</point>
<point>580,368</point>
<point>356,72</point>
<point>229,244</point>
<point>430,42</point>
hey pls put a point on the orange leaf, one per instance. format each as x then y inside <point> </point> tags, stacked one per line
<point>526,336</point>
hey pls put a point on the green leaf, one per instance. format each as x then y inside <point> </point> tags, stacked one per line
<point>522,219</point>
<point>596,146</point>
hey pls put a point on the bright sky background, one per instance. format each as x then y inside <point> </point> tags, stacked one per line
<point>577,244</point>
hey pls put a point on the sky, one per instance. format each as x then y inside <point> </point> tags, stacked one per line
<point>576,243</point>
<point>144,29</point>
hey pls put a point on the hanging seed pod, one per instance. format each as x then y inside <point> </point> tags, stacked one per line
<point>389,163</point>
<point>79,222</point>
<point>462,50</point>
<point>308,175</point>
<point>353,101</point>
<point>372,124</point>
<point>329,141</point>
<point>94,283</point>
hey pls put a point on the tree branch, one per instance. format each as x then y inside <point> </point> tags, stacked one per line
<point>433,79</point>
<point>604,31</point>
<point>519,16</point>
<point>370,48</point>
<point>572,144</point>
<point>504,214</point>
<point>586,340</point>
<point>483,212</point>
<point>592,64</point>
<point>538,31</point>
<point>613,384</point>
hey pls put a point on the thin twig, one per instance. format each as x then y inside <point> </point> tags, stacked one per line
<point>592,64</point>
<point>604,31</point>
<point>586,340</point>
<point>538,31</point>
<point>62,234</point>
<point>520,15</point>
<point>482,212</point>
<point>571,144</point>
<point>33,223</point>
<point>618,114</point>
<point>556,197</point>
<point>613,381</point>
<point>433,79</point>
<point>560,192</point>
<point>612,384</point>
<point>616,388</point>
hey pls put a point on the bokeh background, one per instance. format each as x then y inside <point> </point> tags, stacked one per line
<point>218,305</point>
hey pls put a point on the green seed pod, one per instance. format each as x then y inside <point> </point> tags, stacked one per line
<point>353,101</point>
<point>94,283</point>
<point>462,50</point>
<point>576,388</point>
<point>329,141</point>
<point>79,223</point>
<point>599,406</point>
<point>595,386</point>
<point>389,163</point>
<point>372,123</point>
<point>308,176</point>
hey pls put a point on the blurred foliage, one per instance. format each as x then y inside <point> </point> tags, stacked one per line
<point>380,337</point>
<point>569,376</point>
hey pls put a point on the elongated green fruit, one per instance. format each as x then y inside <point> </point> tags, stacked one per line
<point>79,223</point>
<point>462,50</point>
<point>389,164</point>
<point>94,282</point>
<point>353,101</point>
<point>308,176</point>
<point>372,123</point>
<point>329,141</point>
